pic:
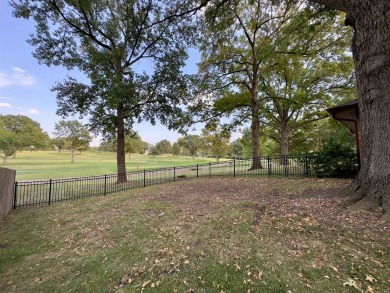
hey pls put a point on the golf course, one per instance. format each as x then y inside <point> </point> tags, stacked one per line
<point>52,164</point>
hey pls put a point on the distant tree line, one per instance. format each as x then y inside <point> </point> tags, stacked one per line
<point>20,133</point>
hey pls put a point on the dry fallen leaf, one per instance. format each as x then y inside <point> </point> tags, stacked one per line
<point>352,283</point>
<point>260,274</point>
<point>370,279</point>
<point>335,269</point>
<point>370,289</point>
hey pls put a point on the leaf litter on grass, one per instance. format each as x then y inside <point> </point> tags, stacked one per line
<point>220,234</point>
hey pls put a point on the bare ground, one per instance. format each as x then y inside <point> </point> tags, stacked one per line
<point>322,200</point>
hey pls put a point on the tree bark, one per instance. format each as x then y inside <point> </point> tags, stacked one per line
<point>120,150</point>
<point>371,53</point>
<point>72,152</point>
<point>255,129</point>
<point>284,142</point>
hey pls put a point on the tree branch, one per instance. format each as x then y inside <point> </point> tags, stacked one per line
<point>334,4</point>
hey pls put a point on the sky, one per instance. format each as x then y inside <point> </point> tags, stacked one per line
<point>25,84</point>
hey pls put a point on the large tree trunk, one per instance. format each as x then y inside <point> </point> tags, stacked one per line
<point>120,150</point>
<point>284,142</point>
<point>371,52</point>
<point>255,129</point>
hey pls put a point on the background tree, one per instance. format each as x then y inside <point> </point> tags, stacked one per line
<point>240,47</point>
<point>26,132</point>
<point>107,145</point>
<point>153,151</point>
<point>216,140</point>
<point>106,40</point>
<point>307,79</point>
<point>269,146</point>
<point>236,149</point>
<point>371,53</point>
<point>164,147</point>
<point>176,149</point>
<point>190,143</point>
<point>134,144</point>
<point>7,142</point>
<point>74,134</point>
<point>58,143</point>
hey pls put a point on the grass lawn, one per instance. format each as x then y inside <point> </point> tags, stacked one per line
<point>199,235</point>
<point>51,164</point>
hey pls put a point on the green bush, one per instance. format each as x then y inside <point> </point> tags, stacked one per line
<point>336,161</point>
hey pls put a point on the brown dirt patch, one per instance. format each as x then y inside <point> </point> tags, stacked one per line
<point>320,200</point>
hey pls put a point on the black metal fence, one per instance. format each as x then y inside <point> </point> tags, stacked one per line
<point>46,192</point>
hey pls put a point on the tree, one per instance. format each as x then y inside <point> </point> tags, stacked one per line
<point>240,48</point>
<point>108,146</point>
<point>269,146</point>
<point>216,140</point>
<point>371,53</point>
<point>74,134</point>
<point>307,79</point>
<point>164,147</point>
<point>134,144</point>
<point>176,149</point>
<point>236,149</point>
<point>312,137</point>
<point>26,132</point>
<point>191,143</point>
<point>153,151</point>
<point>7,142</point>
<point>107,40</point>
<point>59,143</point>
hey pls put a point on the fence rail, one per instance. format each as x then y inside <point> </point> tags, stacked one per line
<point>47,192</point>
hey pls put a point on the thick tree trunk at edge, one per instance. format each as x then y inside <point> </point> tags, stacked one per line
<point>120,151</point>
<point>371,52</point>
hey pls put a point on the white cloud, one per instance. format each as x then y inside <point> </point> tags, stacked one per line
<point>5,105</point>
<point>22,77</point>
<point>33,111</point>
<point>18,77</point>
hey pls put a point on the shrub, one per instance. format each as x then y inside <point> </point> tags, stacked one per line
<point>336,161</point>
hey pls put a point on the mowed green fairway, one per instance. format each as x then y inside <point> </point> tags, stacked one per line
<point>51,164</point>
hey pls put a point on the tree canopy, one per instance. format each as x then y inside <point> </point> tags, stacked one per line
<point>264,55</point>
<point>74,134</point>
<point>109,41</point>
<point>25,131</point>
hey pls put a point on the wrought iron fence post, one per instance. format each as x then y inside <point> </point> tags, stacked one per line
<point>234,167</point>
<point>174,174</point>
<point>306,167</point>
<point>197,170</point>
<point>285,161</point>
<point>144,177</point>
<point>15,193</point>
<point>105,184</point>
<point>269,166</point>
<point>50,181</point>
<point>209,169</point>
